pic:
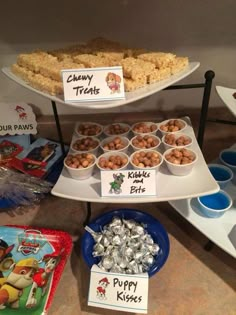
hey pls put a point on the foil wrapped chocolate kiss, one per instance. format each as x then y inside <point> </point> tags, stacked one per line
<point>124,247</point>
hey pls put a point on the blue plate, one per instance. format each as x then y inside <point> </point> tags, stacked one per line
<point>153,227</point>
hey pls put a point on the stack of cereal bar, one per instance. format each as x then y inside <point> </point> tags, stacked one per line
<point>42,69</point>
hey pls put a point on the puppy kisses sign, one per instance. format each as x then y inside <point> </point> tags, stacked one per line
<point>93,84</point>
<point>123,292</point>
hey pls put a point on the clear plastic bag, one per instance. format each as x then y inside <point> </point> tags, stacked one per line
<point>20,189</point>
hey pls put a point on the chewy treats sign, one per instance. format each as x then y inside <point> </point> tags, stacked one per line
<point>128,293</point>
<point>93,84</point>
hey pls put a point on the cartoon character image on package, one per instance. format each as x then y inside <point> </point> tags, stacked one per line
<point>31,263</point>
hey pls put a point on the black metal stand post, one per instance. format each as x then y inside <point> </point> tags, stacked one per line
<point>54,107</point>
<point>209,76</point>
<point>87,219</point>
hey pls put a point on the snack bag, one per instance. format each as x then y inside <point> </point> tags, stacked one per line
<point>31,264</point>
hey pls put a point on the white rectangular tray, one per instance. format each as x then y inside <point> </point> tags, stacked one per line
<point>221,231</point>
<point>130,96</point>
<point>217,230</point>
<point>169,187</point>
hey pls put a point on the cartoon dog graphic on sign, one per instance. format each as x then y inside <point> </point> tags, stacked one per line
<point>21,112</point>
<point>101,289</point>
<point>113,82</point>
<point>115,186</point>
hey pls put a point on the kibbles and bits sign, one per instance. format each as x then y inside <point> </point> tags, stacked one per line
<point>128,293</point>
<point>93,84</point>
<point>128,183</point>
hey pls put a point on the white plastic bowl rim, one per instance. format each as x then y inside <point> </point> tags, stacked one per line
<point>143,135</point>
<point>148,123</point>
<point>177,135</point>
<point>85,151</point>
<point>110,153</point>
<point>164,122</point>
<point>180,165</point>
<point>74,154</point>
<point>111,138</point>
<point>89,123</point>
<point>119,134</point>
<point>146,150</point>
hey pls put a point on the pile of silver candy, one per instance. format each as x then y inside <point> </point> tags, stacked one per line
<point>124,247</point>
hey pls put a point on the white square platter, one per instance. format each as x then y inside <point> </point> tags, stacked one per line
<point>169,187</point>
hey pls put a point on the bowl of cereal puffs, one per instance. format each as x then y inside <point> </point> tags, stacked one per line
<point>180,161</point>
<point>80,165</point>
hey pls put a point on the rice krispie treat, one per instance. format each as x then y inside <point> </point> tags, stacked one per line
<point>69,52</point>
<point>38,81</point>
<point>91,61</point>
<point>47,85</point>
<point>21,72</point>
<point>135,52</point>
<point>178,64</point>
<point>158,75</point>
<point>140,66</point>
<point>53,70</point>
<point>160,59</point>
<point>136,69</point>
<point>110,55</point>
<point>132,85</point>
<point>33,60</point>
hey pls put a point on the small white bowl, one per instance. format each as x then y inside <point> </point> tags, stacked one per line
<point>111,157</point>
<point>146,127</point>
<point>121,129</point>
<point>145,142</point>
<point>177,140</point>
<point>76,170</point>
<point>179,169</point>
<point>179,126</point>
<point>215,205</point>
<point>87,128</point>
<point>221,173</point>
<point>140,160</point>
<point>115,143</point>
<point>228,158</point>
<point>82,141</point>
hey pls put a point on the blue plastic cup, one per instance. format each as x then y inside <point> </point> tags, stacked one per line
<point>228,158</point>
<point>221,173</point>
<point>215,205</point>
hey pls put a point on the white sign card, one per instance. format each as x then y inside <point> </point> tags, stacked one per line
<point>93,84</point>
<point>131,183</point>
<point>128,293</point>
<point>17,119</point>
